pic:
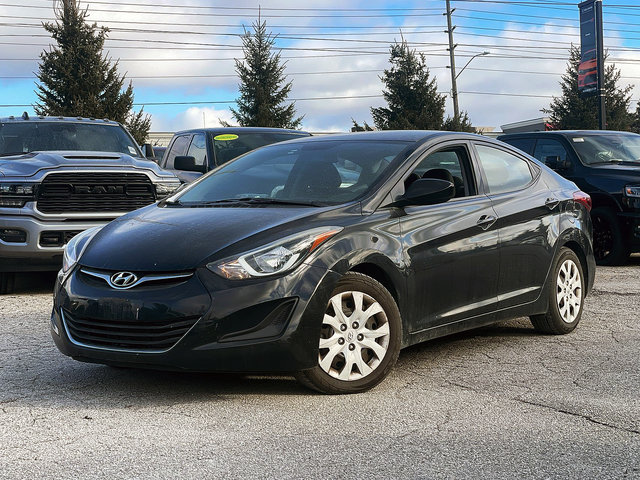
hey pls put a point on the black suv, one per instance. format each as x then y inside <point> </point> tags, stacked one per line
<point>194,152</point>
<point>606,165</point>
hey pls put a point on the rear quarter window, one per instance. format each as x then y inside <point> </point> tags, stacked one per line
<point>524,144</point>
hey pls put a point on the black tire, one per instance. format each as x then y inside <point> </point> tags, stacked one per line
<point>562,296</point>
<point>319,379</point>
<point>610,245</point>
<point>7,282</point>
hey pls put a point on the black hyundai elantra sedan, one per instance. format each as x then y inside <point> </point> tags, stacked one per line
<point>326,256</point>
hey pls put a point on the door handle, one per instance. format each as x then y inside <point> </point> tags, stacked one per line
<point>551,203</point>
<point>485,221</point>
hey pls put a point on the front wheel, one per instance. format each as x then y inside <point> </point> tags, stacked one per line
<point>566,296</point>
<point>609,242</point>
<point>359,339</point>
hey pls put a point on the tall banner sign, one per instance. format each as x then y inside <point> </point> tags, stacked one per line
<point>588,71</point>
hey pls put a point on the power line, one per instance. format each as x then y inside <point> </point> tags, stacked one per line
<point>267,15</point>
<point>349,97</point>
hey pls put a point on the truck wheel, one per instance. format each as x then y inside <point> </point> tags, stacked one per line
<point>7,281</point>
<point>610,246</point>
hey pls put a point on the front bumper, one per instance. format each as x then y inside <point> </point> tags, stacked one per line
<point>632,222</point>
<point>35,252</point>
<point>255,326</point>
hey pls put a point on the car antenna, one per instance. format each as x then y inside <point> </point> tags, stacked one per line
<point>25,116</point>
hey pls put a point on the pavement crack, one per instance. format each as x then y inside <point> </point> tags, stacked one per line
<point>574,414</point>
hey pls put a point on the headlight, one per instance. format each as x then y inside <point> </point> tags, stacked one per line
<point>632,191</point>
<point>165,189</point>
<point>73,250</point>
<point>275,258</point>
<point>16,194</point>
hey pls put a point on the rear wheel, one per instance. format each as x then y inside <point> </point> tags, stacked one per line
<point>609,242</point>
<point>566,296</point>
<point>7,282</point>
<point>359,339</point>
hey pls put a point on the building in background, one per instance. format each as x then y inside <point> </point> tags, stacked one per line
<point>534,125</point>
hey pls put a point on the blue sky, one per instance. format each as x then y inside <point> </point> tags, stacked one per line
<point>335,51</point>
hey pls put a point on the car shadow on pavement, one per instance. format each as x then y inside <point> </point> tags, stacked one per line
<point>54,381</point>
<point>29,283</point>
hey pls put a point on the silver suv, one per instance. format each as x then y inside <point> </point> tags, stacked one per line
<point>60,176</point>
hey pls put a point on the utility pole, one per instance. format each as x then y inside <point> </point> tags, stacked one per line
<point>602,115</point>
<point>452,57</point>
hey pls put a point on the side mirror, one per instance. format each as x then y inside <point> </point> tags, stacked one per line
<point>147,151</point>
<point>188,164</point>
<point>555,163</point>
<point>426,191</point>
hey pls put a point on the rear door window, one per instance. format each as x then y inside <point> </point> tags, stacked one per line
<point>547,147</point>
<point>524,144</point>
<point>504,171</point>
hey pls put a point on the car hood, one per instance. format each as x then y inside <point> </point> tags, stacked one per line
<point>30,164</point>
<point>623,169</point>
<point>167,239</point>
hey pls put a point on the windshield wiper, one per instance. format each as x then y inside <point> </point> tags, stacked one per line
<point>11,154</point>
<point>280,201</point>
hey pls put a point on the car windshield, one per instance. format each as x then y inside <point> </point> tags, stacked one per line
<point>25,137</point>
<point>327,172</point>
<point>228,146</point>
<point>607,148</point>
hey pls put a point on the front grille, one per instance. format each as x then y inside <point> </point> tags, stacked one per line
<point>94,192</point>
<point>57,238</point>
<point>160,335</point>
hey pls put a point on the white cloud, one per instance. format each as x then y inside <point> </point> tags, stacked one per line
<point>193,117</point>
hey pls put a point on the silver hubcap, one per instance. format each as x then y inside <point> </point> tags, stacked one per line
<point>569,291</point>
<point>354,337</point>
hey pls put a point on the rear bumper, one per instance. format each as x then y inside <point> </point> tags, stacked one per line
<point>33,254</point>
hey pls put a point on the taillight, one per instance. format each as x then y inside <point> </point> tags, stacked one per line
<point>582,198</point>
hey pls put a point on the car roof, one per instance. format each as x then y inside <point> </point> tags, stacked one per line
<point>26,118</point>
<point>242,129</point>
<point>566,133</point>
<point>411,136</point>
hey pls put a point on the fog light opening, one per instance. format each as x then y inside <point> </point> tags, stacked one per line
<point>13,235</point>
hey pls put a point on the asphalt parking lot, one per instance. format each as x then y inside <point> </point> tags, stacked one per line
<point>498,402</point>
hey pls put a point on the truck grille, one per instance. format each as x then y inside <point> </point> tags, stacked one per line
<point>94,192</point>
<point>156,336</point>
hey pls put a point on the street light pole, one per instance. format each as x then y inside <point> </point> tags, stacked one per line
<point>467,64</point>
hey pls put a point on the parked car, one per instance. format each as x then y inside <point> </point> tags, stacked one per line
<point>324,274</point>
<point>604,164</point>
<point>60,176</point>
<point>194,152</point>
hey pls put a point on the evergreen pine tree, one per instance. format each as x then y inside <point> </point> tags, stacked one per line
<point>263,90</point>
<point>458,124</point>
<point>635,126</point>
<point>571,111</point>
<point>76,79</point>
<point>413,101</point>
<point>365,127</point>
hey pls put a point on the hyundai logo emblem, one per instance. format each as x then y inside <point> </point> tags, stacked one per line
<point>123,279</point>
